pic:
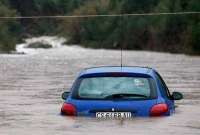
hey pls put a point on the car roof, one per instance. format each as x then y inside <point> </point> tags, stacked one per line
<point>117,69</point>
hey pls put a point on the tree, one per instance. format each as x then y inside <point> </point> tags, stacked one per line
<point>8,29</point>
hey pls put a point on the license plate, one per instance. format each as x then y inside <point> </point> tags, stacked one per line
<point>113,115</point>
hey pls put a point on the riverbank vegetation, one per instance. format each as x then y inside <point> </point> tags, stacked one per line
<point>9,29</point>
<point>167,33</point>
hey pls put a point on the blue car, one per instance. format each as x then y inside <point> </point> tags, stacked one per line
<point>119,92</point>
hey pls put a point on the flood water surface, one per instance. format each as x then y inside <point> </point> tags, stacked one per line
<point>31,86</point>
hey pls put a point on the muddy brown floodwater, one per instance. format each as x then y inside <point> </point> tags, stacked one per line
<point>31,87</point>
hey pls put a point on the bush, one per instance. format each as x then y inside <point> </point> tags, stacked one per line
<point>9,30</point>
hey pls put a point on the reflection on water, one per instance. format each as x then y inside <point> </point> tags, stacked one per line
<point>31,85</point>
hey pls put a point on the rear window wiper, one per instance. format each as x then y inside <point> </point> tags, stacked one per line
<point>123,95</point>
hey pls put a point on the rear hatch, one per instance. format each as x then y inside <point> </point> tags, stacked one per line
<point>91,107</point>
<point>114,91</point>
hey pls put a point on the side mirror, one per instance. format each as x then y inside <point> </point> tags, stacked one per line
<point>177,96</point>
<point>65,95</point>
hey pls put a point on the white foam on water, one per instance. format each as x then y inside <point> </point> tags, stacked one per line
<point>54,41</point>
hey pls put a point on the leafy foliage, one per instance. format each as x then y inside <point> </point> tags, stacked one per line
<point>8,29</point>
<point>172,33</point>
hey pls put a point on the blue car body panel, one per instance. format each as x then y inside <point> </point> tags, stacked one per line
<point>136,107</point>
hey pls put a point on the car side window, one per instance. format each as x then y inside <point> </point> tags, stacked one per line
<point>163,85</point>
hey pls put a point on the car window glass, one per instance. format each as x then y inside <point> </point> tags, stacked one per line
<point>163,84</point>
<point>101,87</point>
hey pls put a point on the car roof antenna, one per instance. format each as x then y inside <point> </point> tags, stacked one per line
<point>121,57</point>
<point>121,46</point>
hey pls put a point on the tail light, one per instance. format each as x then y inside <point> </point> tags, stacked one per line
<point>68,109</point>
<point>159,109</point>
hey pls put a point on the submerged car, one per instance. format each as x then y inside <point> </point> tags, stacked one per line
<point>119,92</point>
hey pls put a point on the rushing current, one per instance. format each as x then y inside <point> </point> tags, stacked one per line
<point>31,86</point>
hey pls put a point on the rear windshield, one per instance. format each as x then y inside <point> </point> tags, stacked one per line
<point>104,87</point>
